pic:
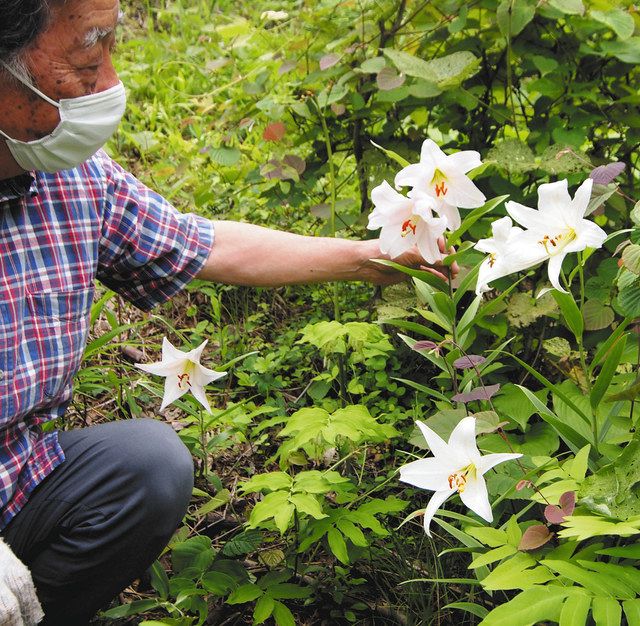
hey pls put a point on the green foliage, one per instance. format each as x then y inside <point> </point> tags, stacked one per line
<point>240,116</point>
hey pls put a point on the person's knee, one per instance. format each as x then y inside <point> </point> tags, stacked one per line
<point>161,469</point>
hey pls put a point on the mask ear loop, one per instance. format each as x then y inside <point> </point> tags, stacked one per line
<point>29,85</point>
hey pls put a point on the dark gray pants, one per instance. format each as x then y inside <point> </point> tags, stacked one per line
<point>103,516</point>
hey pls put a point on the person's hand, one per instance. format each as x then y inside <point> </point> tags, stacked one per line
<point>19,605</point>
<point>380,274</point>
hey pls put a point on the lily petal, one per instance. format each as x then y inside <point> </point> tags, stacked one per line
<point>554,268</point>
<point>463,193</point>
<point>414,175</point>
<point>476,498</point>
<point>489,461</point>
<point>582,196</point>
<point>463,438</point>
<point>451,213</point>
<point>428,473</point>
<point>434,504</point>
<point>531,218</point>
<point>200,395</point>
<point>172,392</point>
<point>163,368</point>
<point>436,444</point>
<point>554,198</point>
<point>465,160</point>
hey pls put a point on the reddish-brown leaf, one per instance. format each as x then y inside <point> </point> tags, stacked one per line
<point>535,537</point>
<point>468,361</point>
<point>274,131</point>
<point>554,514</point>
<point>568,502</point>
<point>329,60</point>
<point>479,393</point>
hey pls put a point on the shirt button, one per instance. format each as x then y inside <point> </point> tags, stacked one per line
<point>1,374</point>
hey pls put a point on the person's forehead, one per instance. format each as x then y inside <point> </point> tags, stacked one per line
<point>84,19</point>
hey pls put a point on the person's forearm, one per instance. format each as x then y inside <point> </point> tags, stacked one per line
<point>245,254</point>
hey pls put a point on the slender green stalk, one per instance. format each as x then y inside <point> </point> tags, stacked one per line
<point>583,352</point>
<point>454,339</point>
<point>342,375</point>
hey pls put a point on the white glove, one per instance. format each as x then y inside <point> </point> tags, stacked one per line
<point>19,605</point>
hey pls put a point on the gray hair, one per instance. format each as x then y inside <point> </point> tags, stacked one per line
<point>22,22</point>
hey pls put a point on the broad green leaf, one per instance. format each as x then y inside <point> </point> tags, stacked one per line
<point>215,502</point>
<point>445,71</point>
<point>606,611</point>
<point>575,610</point>
<point>225,156</point>
<point>623,552</point>
<point>618,20</point>
<point>273,481</point>
<point>612,490</point>
<point>631,258</point>
<point>632,612</point>
<point>492,537</point>
<point>628,576</point>
<point>581,527</point>
<point>497,554</point>
<point>568,7</point>
<point>272,557</point>
<point>538,604</point>
<point>597,583</point>
<point>194,552</point>
<point>282,615</point>
<point>597,315</point>
<point>570,312</point>
<point>288,591</point>
<point>306,503</point>
<point>263,609</point>
<point>513,155</point>
<point>518,572</point>
<point>338,545</point>
<point>244,593</point>
<point>629,299</point>
<point>514,15</point>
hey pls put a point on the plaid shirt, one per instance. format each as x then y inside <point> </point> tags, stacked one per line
<point>58,232</point>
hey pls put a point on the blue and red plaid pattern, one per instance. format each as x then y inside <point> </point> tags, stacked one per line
<point>59,232</point>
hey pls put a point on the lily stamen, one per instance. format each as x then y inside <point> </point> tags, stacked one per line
<point>181,381</point>
<point>458,480</point>
<point>408,226</point>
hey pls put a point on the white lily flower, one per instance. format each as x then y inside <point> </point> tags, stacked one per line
<point>508,252</point>
<point>558,226</point>
<point>444,178</point>
<point>183,372</point>
<point>406,221</point>
<point>456,466</point>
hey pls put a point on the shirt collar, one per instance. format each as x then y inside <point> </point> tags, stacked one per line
<point>17,187</point>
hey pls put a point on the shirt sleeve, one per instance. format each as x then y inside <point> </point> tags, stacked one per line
<point>148,250</point>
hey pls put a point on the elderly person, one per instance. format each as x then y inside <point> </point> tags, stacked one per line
<point>87,510</point>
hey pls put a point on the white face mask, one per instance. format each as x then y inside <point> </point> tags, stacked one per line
<point>85,125</point>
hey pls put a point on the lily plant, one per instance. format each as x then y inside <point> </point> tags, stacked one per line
<point>183,373</point>
<point>405,222</point>
<point>455,467</point>
<point>440,186</point>
<point>557,228</point>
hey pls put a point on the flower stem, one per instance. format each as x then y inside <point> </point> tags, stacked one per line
<point>583,354</point>
<point>342,376</point>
